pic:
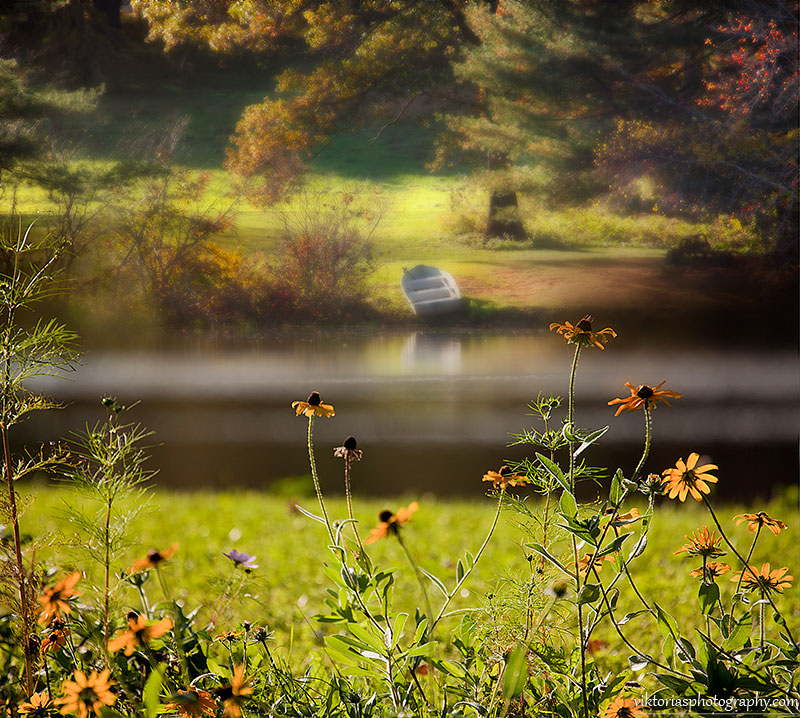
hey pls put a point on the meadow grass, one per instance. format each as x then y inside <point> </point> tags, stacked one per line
<point>289,587</point>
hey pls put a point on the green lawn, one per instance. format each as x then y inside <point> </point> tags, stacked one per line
<point>289,586</point>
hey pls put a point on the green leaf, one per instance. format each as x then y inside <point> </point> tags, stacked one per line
<point>638,548</point>
<point>515,675</point>
<point>589,593</point>
<point>590,439</point>
<point>459,571</point>
<point>152,691</point>
<point>542,551</point>
<point>422,650</point>
<point>614,546</point>
<point>398,628</point>
<point>708,596</point>
<point>554,471</point>
<point>615,492</point>
<point>739,632</point>
<point>568,506</point>
<point>436,582</point>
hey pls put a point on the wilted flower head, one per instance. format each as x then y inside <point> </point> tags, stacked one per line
<point>313,406</point>
<point>240,558</point>
<point>349,450</point>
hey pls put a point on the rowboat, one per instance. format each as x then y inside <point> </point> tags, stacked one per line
<point>430,290</point>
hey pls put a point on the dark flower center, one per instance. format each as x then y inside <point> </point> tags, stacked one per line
<point>350,442</point>
<point>314,399</point>
<point>585,324</point>
<point>155,556</point>
<point>644,392</point>
<point>385,516</point>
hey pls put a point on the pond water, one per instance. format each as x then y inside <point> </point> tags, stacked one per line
<point>433,410</point>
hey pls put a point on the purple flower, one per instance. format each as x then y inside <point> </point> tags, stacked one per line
<point>240,558</point>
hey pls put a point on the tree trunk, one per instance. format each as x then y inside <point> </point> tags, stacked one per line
<point>503,220</point>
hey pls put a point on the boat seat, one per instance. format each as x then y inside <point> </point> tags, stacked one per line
<point>423,283</point>
<point>427,294</point>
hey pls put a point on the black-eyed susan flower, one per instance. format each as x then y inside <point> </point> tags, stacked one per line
<point>764,579</point>
<point>504,477</point>
<point>389,523</point>
<point>86,694</point>
<point>643,396</point>
<point>153,559</point>
<point>138,633</point>
<point>688,478</point>
<point>754,521</point>
<point>623,708</point>
<point>235,694</point>
<point>54,637</point>
<point>313,406</point>
<point>55,599</point>
<point>349,450</point>
<point>582,333</point>
<point>702,542</point>
<point>592,562</point>
<point>712,570</point>
<point>192,703</point>
<point>38,705</point>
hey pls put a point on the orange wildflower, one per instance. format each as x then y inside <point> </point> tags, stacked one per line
<point>192,703</point>
<point>713,569</point>
<point>54,636</point>
<point>643,396</point>
<point>153,559</point>
<point>86,694</point>
<point>313,406</point>
<point>582,334</point>
<point>623,708</point>
<point>389,523</point>
<point>754,521</point>
<point>587,562</point>
<point>55,600</point>
<point>624,522</point>
<point>234,695</point>
<point>139,632</point>
<point>764,579</point>
<point>504,477</point>
<point>702,542</point>
<point>688,478</point>
<point>38,705</point>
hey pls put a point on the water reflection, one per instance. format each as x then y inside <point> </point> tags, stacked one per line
<point>432,410</point>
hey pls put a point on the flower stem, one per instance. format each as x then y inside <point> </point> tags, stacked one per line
<point>648,435</point>
<point>749,556</point>
<point>417,573</point>
<point>312,462</point>
<point>349,496</point>
<point>570,422</point>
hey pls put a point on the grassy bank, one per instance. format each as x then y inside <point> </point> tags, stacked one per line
<point>289,587</point>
